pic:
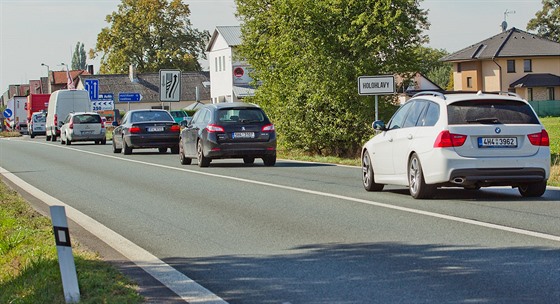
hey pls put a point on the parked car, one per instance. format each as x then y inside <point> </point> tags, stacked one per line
<point>228,130</point>
<point>149,128</point>
<point>465,140</point>
<point>36,125</point>
<point>83,126</point>
<point>180,117</point>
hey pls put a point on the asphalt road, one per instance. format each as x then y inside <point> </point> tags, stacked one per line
<point>305,233</point>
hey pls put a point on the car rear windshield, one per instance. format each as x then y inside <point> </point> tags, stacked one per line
<point>84,119</point>
<point>241,115</point>
<point>151,116</point>
<point>490,111</point>
<point>39,118</point>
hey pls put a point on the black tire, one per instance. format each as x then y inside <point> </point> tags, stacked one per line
<point>103,141</point>
<point>162,150</point>
<point>68,142</point>
<point>47,138</point>
<point>184,160</point>
<point>62,142</point>
<point>126,149</point>
<point>533,189</point>
<point>175,150</point>
<point>53,138</point>
<point>269,160</point>
<point>203,161</point>
<point>248,160</point>
<point>416,184</point>
<point>32,135</point>
<point>115,150</point>
<point>368,177</point>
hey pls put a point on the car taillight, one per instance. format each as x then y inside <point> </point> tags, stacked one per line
<point>71,126</point>
<point>539,139</point>
<point>134,129</point>
<point>268,128</point>
<point>175,128</point>
<point>214,128</point>
<point>55,120</point>
<point>446,139</point>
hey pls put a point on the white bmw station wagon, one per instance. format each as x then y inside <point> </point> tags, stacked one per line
<point>459,140</point>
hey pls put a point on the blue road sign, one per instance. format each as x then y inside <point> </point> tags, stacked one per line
<point>106,97</point>
<point>8,113</point>
<point>92,86</point>
<point>130,97</point>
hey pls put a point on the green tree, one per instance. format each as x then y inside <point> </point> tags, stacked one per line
<point>547,20</point>
<point>79,57</point>
<point>431,66</point>
<point>152,35</point>
<point>308,55</point>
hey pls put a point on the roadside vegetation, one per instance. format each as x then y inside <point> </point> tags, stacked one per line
<point>29,270</point>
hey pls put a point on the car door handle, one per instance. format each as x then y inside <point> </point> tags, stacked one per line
<point>390,139</point>
<point>409,136</point>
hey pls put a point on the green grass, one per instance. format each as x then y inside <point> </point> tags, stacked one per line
<point>552,125</point>
<point>29,270</point>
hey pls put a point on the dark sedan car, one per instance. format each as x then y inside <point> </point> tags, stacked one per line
<point>146,129</point>
<point>228,130</point>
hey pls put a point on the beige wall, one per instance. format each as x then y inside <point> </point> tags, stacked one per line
<point>485,75</point>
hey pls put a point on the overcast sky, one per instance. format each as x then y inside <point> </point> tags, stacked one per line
<point>44,31</point>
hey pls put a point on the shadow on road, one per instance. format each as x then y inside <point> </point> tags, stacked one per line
<point>382,273</point>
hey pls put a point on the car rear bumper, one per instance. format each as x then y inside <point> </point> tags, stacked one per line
<point>88,137</point>
<point>152,141</point>
<point>240,150</point>
<point>444,166</point>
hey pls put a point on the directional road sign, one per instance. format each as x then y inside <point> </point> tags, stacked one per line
<point>92,86</point>
<point>130,97</point>
<point>170,85</point>
<point>8,113</point>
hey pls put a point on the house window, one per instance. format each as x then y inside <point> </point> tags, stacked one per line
<point>216,63</point>
<point>469,82</point>
<point>220,64</point>
<point>459,67</point>
<point>530,94</point>
<point>511,66</point>
<point>527,65</point>
<point>550,93</point>
<point>224,59</point>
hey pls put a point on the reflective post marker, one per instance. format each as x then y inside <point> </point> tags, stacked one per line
<point>65,257</point>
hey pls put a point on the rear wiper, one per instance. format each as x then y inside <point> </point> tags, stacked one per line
<point>488,120</point>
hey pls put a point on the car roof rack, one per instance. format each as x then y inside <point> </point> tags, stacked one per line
<point>430,93</point>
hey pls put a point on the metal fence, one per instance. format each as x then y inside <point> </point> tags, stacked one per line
<point>546,107</point>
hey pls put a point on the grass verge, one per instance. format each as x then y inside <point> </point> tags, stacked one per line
<point>29,270</point>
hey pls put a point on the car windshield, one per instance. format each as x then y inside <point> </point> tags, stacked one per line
<point>86,118</point>
<point>490,112</point>
<point>241,115</point>
<point>178,114</point>
<point>39,118</point>
<point>151,116</point>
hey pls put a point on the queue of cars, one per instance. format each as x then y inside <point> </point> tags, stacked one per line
<point>433,140</point>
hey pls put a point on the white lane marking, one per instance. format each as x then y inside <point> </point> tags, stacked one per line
<point>183,286</point>
<point>352,199</point>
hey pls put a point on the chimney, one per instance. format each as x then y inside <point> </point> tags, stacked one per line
<point>132,73</point>
<point>90,69</point>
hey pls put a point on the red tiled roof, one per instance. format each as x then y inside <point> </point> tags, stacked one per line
<point>59,77</point>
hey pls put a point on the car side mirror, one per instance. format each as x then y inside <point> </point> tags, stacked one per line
<point>184,123</point>
<point>379,125</point>
<point>115,123</point>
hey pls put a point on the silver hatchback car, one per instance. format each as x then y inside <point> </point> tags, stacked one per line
<point>83,126</point>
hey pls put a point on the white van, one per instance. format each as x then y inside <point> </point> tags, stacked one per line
<point>62,103</point>
<point>36,125</point>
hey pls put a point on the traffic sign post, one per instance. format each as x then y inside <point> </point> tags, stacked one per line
<point>376,85</point>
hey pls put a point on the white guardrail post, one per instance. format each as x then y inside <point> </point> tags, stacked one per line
<point>65,257</point>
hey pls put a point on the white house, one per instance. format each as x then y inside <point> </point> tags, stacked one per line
<point>229,76</point>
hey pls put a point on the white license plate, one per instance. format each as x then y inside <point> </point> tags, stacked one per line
<point>244,135</point>
<point>497,142</point>
<point>155,129</point>
<point>87,132</point>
